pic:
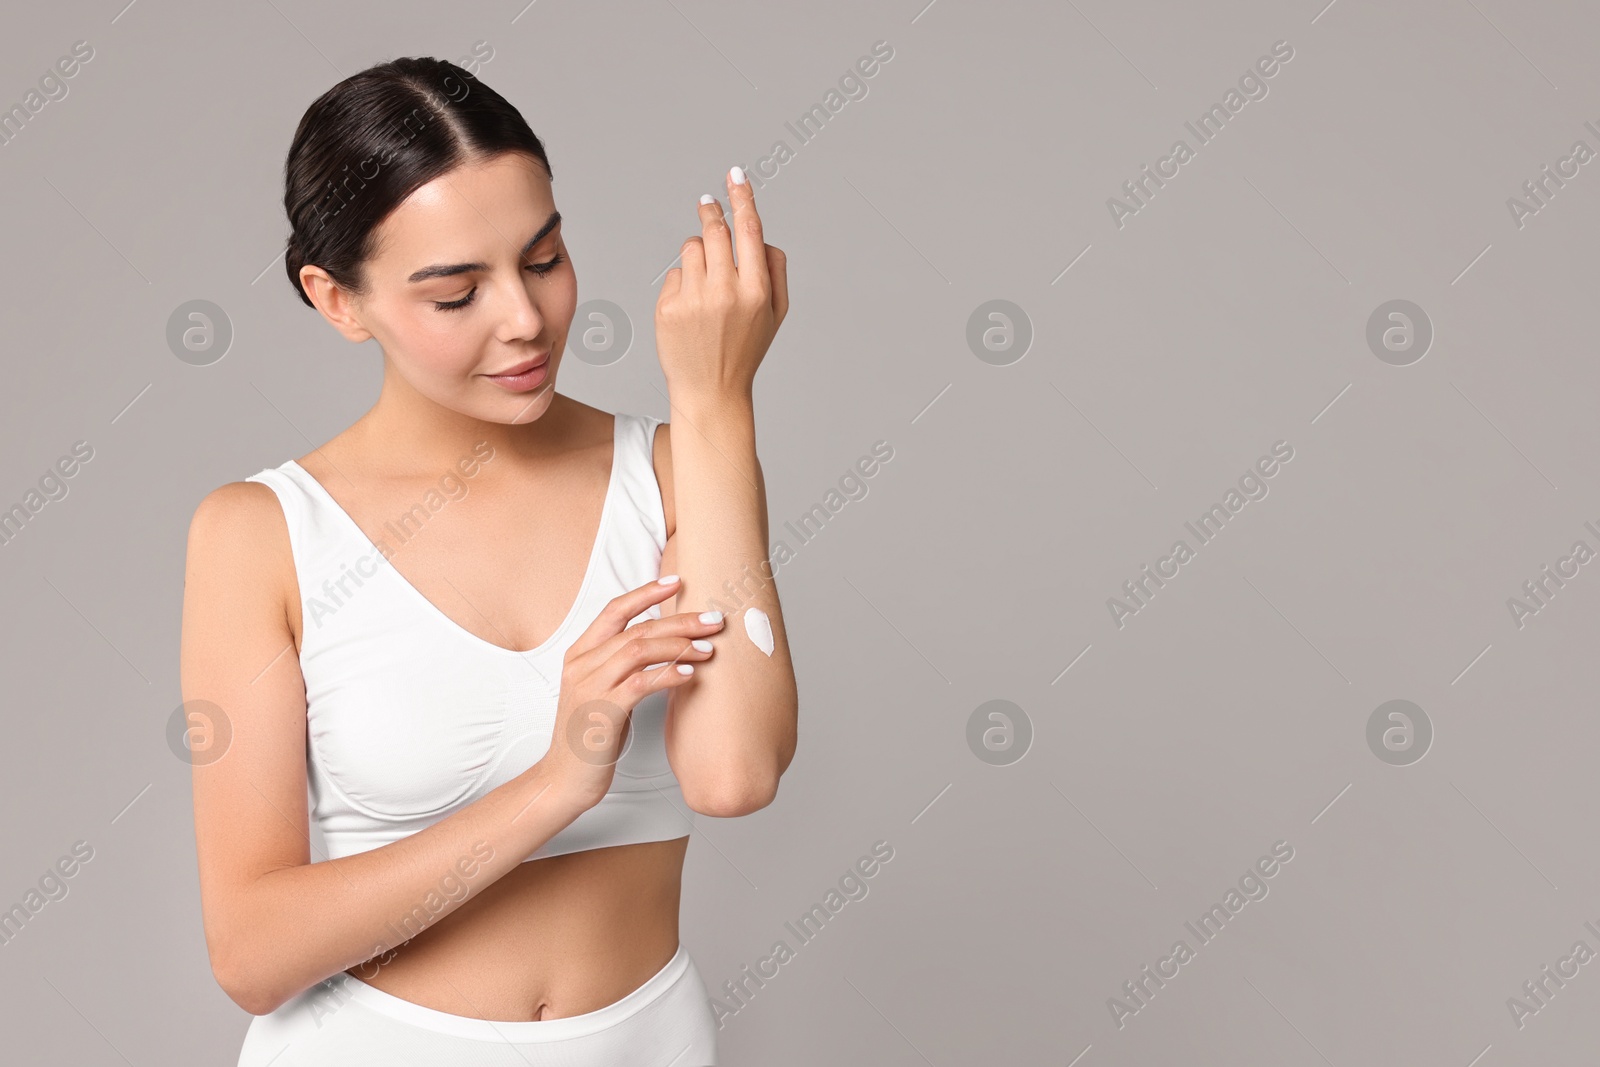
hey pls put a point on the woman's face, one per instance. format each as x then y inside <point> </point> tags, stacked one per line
<point>470,279</point>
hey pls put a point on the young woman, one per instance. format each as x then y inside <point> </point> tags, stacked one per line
<point>442,635</point>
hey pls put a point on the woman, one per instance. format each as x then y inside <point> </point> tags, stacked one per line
<point>501,720</point>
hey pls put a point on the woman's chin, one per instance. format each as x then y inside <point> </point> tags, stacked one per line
<point>526,407</point>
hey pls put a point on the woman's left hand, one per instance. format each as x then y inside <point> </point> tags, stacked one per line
<point>715,320</point>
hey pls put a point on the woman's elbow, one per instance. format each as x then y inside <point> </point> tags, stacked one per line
<point>242,982</point>
<point>730,801</point>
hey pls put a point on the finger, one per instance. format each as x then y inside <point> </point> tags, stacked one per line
<point>683,626</point>
<point>631,651</point>
<point>679,624</point>
<point>717,240</point>
<point>778,270</point>
<point>653,653</point>
<point>747,232</point>
<point>693,255</point>
<point>641,684</point>
<point>621,608</point>
<point>671,283</point>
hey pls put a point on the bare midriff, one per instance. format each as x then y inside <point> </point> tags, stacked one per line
<point>552,938</point>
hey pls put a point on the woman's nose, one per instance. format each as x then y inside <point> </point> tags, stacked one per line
<point>523,319</point>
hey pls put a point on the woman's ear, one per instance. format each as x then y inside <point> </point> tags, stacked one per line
<point>336,305</point>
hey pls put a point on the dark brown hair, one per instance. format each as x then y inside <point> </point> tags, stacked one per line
<point>366,144</point>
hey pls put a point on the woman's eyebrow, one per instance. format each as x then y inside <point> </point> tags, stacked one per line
<point>443,270</point>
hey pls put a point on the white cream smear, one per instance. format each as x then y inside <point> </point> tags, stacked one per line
<point>759,629</point>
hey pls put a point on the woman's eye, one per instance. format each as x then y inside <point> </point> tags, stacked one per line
<point>537,268</point>
<point>456,305</point>
<point>547,267</point>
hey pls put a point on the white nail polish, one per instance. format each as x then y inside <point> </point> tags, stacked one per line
<point>711,616</point>
<point>737,174</point>
<point>707,198</point>
<point>686,668</point>
<point>666,579</point>
<point>701,645</point>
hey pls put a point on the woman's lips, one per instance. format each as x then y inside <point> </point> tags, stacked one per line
<point>524,376</point>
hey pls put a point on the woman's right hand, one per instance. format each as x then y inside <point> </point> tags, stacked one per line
<point>603,677</point>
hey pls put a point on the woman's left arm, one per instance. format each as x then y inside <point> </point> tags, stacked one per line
<point>731,732</point>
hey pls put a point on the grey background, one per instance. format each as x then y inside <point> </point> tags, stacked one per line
<point>1229,313</point>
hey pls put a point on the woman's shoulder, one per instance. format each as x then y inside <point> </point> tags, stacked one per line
<point>239,533</point>
<point>235,510</point>
<point>657,444</point>
<point>595,428</point>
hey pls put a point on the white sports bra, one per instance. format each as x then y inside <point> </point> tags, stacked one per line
<point>410,717</point>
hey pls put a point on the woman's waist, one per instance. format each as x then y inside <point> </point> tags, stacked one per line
<point>551,938</point>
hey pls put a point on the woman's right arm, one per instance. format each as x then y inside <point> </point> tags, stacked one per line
<point>276,923</point>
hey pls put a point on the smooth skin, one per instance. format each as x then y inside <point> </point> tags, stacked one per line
<point>532,940</point>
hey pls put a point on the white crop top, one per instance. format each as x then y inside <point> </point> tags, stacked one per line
<point>410,717</point>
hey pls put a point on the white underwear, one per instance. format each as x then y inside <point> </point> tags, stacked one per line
<point>343,1021</point>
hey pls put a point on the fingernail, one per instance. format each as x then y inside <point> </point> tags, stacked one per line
<point>666,579</point>
<point>737,174</point>
<point>707,198</point>
<point>711,616</point>
<point>701,645</point>
<point>686,668</point>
